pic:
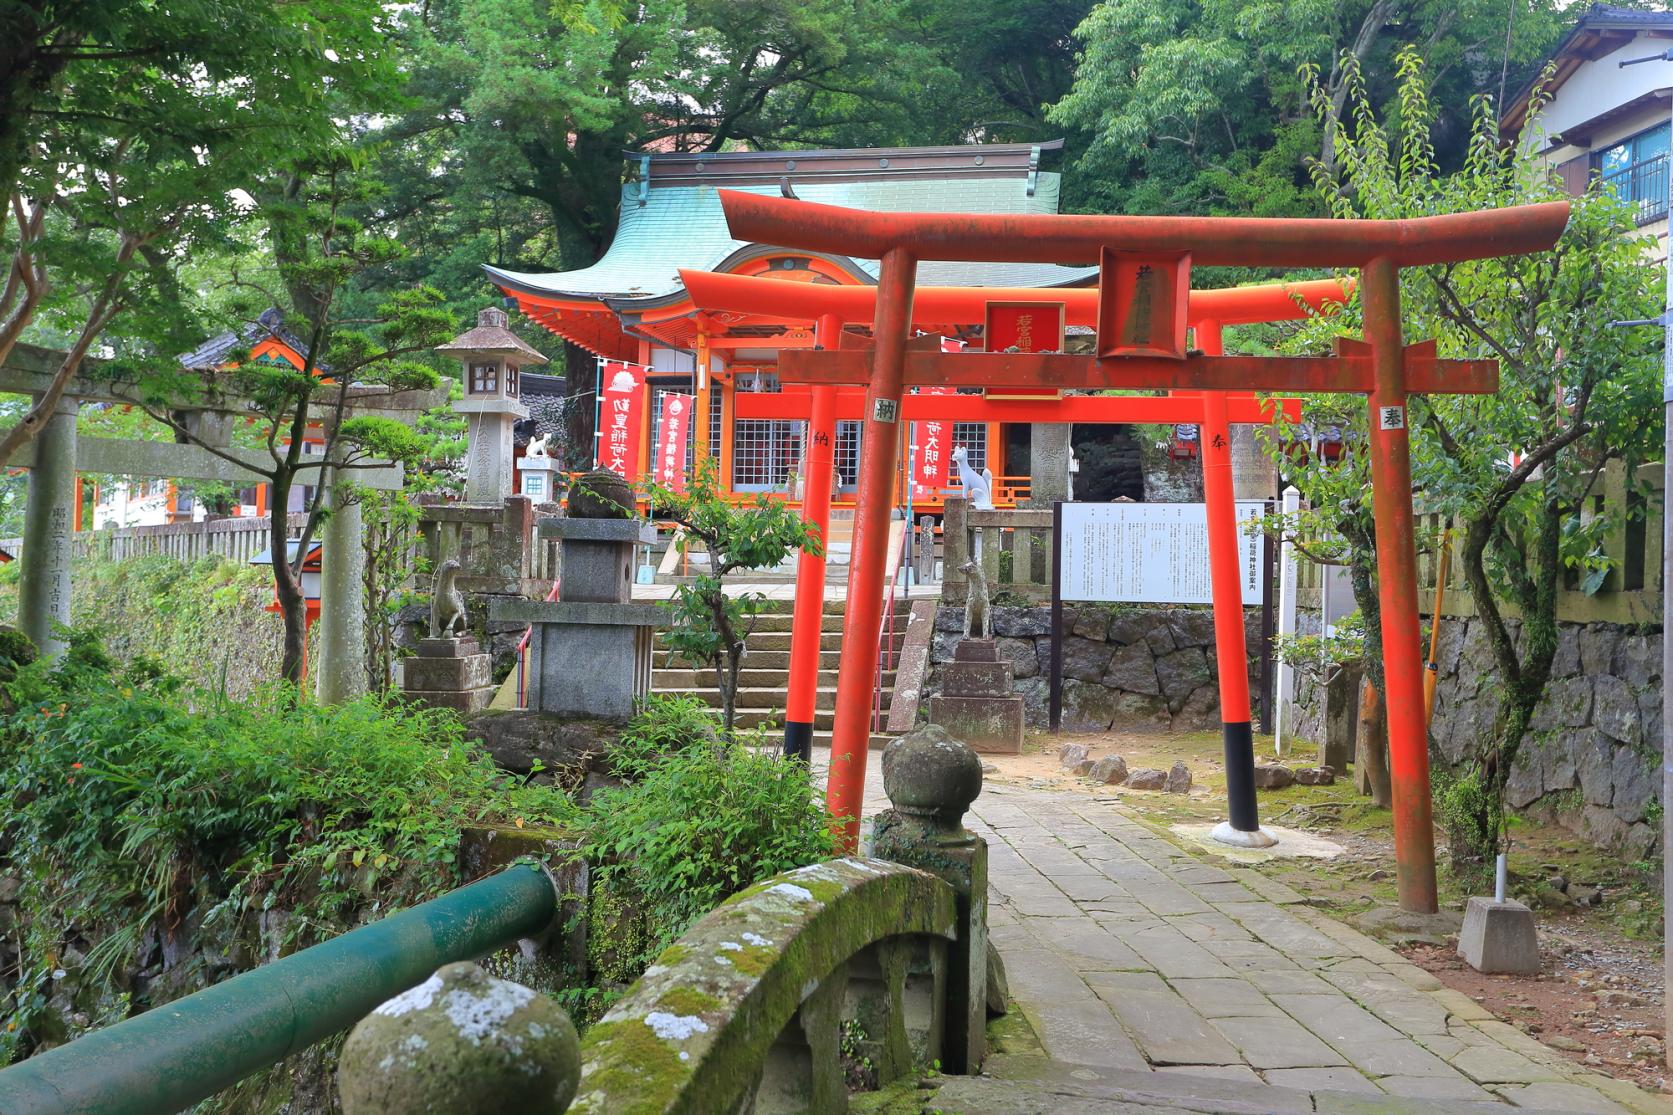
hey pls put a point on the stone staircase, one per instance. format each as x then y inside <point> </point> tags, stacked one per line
<point>764,678</point>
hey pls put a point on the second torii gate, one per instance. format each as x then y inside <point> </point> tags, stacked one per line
<point>1145,271</point>
<point>832,307</point>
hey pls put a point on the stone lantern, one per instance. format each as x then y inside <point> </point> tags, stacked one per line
<point>494,358</point>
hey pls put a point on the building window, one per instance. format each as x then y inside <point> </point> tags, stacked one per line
<point>484,379</point>
<point>847,462</point>
<point>765,452</point>
<point>1636,169</point>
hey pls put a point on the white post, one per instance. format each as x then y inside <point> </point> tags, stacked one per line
<point>1285,693</point>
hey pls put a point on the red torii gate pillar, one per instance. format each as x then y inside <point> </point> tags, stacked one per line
<point>1378,248</point>
<point>1242,826</point>
<point>807,627</point>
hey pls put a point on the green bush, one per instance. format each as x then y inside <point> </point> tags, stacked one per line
<point>695,824</point>
<point>140,812</point>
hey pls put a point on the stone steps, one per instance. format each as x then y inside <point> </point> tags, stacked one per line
<point>767,697</point>
<point>749,676</point>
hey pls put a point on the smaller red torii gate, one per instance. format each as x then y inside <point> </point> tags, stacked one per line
<point>746,298</point>
<point>1143,293</point>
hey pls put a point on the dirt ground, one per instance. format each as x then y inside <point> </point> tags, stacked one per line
<point>1598,999</point>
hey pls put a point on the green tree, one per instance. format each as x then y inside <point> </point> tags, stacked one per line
<point>709,626</point>
<point>127,131</point>
<point>349,362</point>
<point>1196,107</point>
<point>1575,394</point>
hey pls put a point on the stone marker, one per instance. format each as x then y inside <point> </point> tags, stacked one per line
<point>1179,779</point>
<point>464,1043</point>
<point>1272,776</point>
<point>976,704</point>
<point>590,651</point>
<point>1499,937</point>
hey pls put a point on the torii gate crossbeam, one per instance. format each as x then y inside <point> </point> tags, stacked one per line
<point>1377,248</point>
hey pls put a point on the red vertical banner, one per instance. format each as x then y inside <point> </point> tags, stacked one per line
<point>670,440</point>
<point>932,442</point>
<point>621,400</point>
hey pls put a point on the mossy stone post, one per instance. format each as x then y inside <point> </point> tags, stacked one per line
<point>931,778</point>
<point>461,1043</point>
<point>48,531</point>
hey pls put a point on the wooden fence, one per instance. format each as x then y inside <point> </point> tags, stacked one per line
<point>1015,549</point>
<point>234,539</point>
<point>1630,593</point>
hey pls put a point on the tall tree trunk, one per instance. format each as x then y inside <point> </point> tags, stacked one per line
<point>1371,759</point>
<point>287,588</point>
<point>1475,817</point>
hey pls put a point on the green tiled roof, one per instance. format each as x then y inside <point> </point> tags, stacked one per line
<point>683,226</point>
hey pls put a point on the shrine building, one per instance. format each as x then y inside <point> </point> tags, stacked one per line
<point>633,312</point>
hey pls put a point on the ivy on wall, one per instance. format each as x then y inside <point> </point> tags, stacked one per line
<point>204,620</point>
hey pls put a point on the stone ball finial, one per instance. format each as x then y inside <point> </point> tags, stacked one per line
<point>600,494</point>
<point>463,1042</point>
<point>929,774</point>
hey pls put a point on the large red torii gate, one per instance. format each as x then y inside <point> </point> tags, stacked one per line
<point>1160,250</point>
<point>746,298</point>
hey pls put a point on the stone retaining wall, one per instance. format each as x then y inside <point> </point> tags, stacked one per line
<point>1124,666</point>
<point>1592,758</point>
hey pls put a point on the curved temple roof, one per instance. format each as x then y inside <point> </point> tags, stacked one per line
<point>671,219</point>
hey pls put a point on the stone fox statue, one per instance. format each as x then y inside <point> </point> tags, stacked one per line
<point>978,619</point>
<point>447,603</point>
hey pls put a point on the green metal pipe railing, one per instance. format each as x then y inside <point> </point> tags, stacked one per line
<point>173,1056</point>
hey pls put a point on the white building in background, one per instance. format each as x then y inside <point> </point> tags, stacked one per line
<point>1604,119</point>
<point>144,503</point>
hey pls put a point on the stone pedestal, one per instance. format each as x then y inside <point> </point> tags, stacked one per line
<point>590,651</point>
<point>976,704</point>
<point>1499,937</point>
<point>449,673</point>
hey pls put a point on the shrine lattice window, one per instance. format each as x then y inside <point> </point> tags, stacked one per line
<point>765,452</point>
<point>484,379</point>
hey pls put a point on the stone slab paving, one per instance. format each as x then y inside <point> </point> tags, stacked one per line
<point>1131,956</point>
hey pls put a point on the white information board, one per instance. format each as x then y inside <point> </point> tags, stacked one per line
<point>1152,553</point>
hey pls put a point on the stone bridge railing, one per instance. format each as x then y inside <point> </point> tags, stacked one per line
<point>751,1009</point>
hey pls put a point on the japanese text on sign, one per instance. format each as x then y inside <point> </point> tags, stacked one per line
<point>621,394</point>
<point>1152,553</point>
<point>671,440</point>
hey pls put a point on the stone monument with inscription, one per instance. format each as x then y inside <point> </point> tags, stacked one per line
<point>493,357</point>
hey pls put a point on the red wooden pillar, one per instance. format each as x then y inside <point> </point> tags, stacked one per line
<point>807,622</point>
<point>857,673</point>
<point>1243,827</point>
<point>1391,485</point>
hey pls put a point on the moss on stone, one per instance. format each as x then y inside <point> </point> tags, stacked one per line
<point>672,955</point>
<point>753,960</point>
<point>688,1000</point>
<point>629,1070</point>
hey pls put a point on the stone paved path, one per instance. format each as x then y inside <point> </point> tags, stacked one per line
<point>1129,955</point>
